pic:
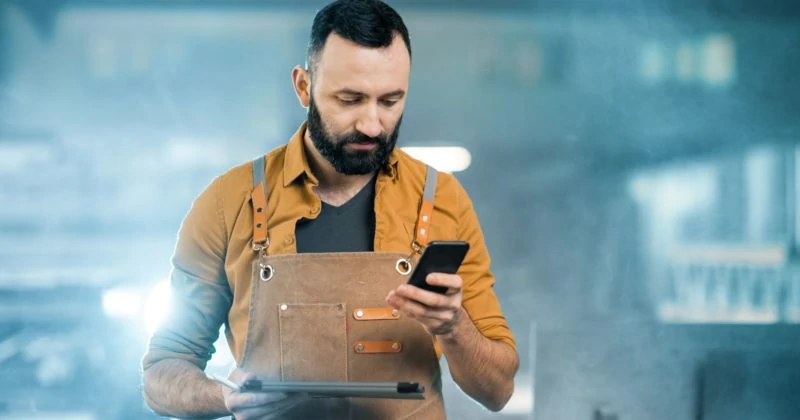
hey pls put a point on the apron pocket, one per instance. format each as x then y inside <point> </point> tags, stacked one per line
<point>313,342</point>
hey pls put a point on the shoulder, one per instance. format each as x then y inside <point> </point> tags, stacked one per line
<point>238,180</point>
<point>413,172</point>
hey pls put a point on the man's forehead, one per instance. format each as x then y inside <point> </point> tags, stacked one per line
<point>346,65</point>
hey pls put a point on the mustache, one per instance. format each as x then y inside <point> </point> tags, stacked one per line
<point>357,137</point>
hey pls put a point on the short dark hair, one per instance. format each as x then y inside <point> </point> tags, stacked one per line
<point>369,23</point>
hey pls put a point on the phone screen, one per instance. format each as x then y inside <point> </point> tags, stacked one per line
<point>438,257</point>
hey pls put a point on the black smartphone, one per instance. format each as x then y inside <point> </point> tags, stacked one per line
<point>438,257</point>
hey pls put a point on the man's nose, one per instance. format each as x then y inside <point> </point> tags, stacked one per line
<point>370,124</point>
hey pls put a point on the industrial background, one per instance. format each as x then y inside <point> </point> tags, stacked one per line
<point>634,164</point>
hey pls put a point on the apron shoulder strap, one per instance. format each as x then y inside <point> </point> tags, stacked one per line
<point>258,171</point>
<point>259,199</point>
<point>421,234</point>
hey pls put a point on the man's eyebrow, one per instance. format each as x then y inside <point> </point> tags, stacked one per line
<point>399,93</point>
<point>395,93</point>
<point>349,92</point>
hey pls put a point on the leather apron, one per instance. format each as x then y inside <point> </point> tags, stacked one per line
<point>324,317</point>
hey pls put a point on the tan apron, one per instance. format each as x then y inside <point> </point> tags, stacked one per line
<point>324,317</point>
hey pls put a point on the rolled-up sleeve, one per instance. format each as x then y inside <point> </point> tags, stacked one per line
<point>200,295</point>
<point>478,296</point>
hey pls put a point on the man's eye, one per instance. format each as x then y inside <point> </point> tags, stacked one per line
<point>348,101</point>
<point>390,102</point>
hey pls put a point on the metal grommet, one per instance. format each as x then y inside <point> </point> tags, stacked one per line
<point>395,313</point>
<point>403,266</point>
<point>359,314</point>
<point>266,272</point>
<point>359,347</point>
<point>284,307</point>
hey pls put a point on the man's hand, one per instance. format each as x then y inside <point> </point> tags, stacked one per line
<point>257,405</point>
<point>438,313</point>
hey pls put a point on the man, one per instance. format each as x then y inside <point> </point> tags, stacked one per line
<point>301,254</point>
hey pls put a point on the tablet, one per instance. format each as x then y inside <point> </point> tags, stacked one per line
<point>323,389</point>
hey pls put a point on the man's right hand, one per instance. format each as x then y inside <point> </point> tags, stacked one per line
<point>257,405</point>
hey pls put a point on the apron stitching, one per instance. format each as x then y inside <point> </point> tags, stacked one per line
<point>418,409</point>
<point>280,342</point>
<point>346,346</point>
<point>347,360</point>
<point>250,320</point>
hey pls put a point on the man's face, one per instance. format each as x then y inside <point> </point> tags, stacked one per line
<point>352,153</point>
<point>356,103</point>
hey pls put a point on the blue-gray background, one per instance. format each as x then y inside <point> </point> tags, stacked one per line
<point>634,167</point>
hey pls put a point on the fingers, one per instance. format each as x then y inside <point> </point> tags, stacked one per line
<point>431,299</point>
<point>243,400</point>
<point>452,282</point>
<point>450,300</point>
<point>417,309</point>
<point>258,405</point>
<point>239,376</point>
<point>273,410</point>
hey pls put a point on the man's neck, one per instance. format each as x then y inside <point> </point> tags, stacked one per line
<point>334,188</point>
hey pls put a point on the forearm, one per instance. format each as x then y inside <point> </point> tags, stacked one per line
<point>483,368</point>
<point>177,388</point>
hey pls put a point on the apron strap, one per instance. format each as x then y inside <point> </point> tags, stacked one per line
<point>259,199</point>
<point>421,234</point>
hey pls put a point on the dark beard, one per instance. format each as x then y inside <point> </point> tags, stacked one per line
<point>359,162</point>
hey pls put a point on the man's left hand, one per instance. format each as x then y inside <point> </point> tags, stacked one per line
<point>438,313</point>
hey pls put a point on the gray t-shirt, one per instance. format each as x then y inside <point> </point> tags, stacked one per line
<point>347,228</point>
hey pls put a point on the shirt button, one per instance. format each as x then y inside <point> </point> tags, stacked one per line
<point>314,210</point>
<point>288,240</point>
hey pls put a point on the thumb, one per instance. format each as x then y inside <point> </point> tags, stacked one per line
<point>240,376</point>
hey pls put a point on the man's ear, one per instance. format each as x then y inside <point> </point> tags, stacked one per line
<point>301,80</point>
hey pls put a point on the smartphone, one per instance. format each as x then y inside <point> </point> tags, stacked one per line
<point>438,257</point>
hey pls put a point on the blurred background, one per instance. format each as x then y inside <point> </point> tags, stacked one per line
<point>634,164</point>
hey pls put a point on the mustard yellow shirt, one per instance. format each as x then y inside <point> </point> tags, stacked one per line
<point>212,261</point>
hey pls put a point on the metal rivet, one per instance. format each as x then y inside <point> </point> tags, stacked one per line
<point>359,314</point>
<point>360,347</point>
<point>422,232</point>
<point>284,307</point>
<point>395,313</point>
<point>395,345</point>
<point>424,218</point>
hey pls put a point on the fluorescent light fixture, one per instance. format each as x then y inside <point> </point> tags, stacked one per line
<point>120,303</point>
<point>445,159</point>
<point>652,62</point>
<point>719,60</point>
